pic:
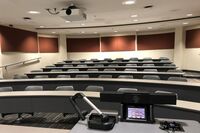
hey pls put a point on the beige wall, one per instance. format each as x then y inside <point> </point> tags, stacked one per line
<point>46,59</point>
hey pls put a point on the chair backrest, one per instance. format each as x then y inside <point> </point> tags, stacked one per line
<point>151,77</point>
<point>64,88</point>
<point>36,71</point>
<point>113,65</point>
<point>147,59</point>
<point>133,59</point>
<point>131,70</point>
<point>148,65</point>
<point>82,76</point>
<point>169,64</point>
<point>164,58</point>
<point>50,66</point>
<point>34,88</point>
<point>94,59</point>
<point>61,63</point>
<point>175,70</point>
<point>105,76</point>
<point>99,65</point>
<point>63,76</point>
<point>81,65</point>
<point>107,59</point>
<point>68,65</point>
<point>129,90</point>
<point>131,64</point>
<point>125,76</point>
<point>109,69</point>
<point>167,92</point>
<point>41,76</point>
<point>6,89</point>
<point>150,70</point>
<point>56,70</point>
<point>92,69</point>
<point>119,59</point>
<point>20,77</point>
<point>181,79</point>
<point>94,88</point>
<point>71,70</point>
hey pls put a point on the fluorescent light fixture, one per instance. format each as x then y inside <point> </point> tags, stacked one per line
<point>149,28</point>
<point>33,12</point>
<point>115,31</point>
<point>189,14</point>
<point>82,32</point>
<point>41,26</point>
<point>128,2</point>
<point>53,32</point>
<point>135,20</point>
<point>185,23</point>
<point>134,16</point>
<point>136,30</point>
<point>95,32</point>
<point>82,24</point>
<point>67,21</point>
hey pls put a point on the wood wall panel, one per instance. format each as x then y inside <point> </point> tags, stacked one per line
<point>17,40</point>
<point>193,38</point>
<point>83,45</point>
<point>48,45</point>
<point>156,41</point>
<point>118,43</point>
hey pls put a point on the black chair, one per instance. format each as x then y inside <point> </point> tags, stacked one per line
<point>20,76</point>
<point>175,70</point>
<point>41,76</point>
<point>68,65</point>
<point>119,59</point>
<point>148,65</point>
<point>82,76</point>
<point>56,70</point>
<point>131,70</point>
<point>150,70</point>
<point>167,92</point>
<point>105,76</point>
<point>169,65</point>
<point>133,59</point>
<point>94,59</point>
<point>151,77</point>
<point>164,58</point>
<point>94,70</point>
<point>61,63</point>
<point>64,88</point>
<point>109,69</point>
<point>73,70</point>
<point>147,59</point>
<point>63,76</point>
<point>94,88</point>
<point>34,88</point>
<point>99,65</point>
<point>113,65</point>
<point>36,71</point>
<point>50,66</point>
<point>81,65</point>
<point>181,79</point>
<point>131,64</point>
<point>125,76</point>
<point>107,59</point>
<point>129,90</point>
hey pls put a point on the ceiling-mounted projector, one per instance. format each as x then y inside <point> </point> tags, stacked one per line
<point>73,13</point>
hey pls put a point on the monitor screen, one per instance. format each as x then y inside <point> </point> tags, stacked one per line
<point>136,113</point>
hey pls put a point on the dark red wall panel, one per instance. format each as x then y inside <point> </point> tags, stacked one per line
<point>48,45</point>
<point>118,43</point>
<point>156,41</point>
<point>83,45</point>
<point>193,38</point>
<point>17,40</point>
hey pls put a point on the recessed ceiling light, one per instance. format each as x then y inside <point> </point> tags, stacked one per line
<point>95,32</point>
<point>149,28</point>
<point>136,30</point>
<point>189,15</point>
<point>33,12</point>
<point>135,20</point>
<point>41,26</point>
<point>53,32</point>
<point>134,16</point>
<point>115,31</point>
<point>185,23</point>
<point>82,32</point>
<point>82,24</point>
<point>67,21</point>
<point>128,2</point>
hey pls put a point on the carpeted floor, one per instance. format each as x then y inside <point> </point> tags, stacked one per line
<point>45,120</point>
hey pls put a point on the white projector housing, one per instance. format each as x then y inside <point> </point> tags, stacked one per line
<point>76,15</point>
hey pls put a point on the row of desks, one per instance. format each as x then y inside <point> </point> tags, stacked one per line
<point>115,74</point>
<point>109,63</point>
<point>118,68</point>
